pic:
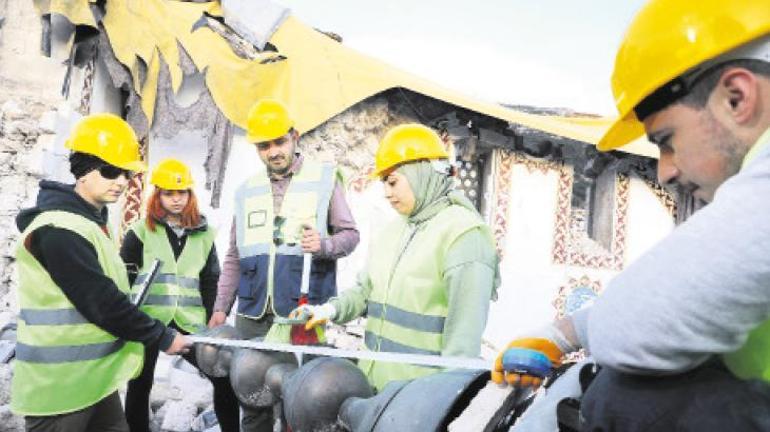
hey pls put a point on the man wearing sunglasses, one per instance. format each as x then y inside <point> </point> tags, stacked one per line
<point>80,338</point>
<point>293,206</point>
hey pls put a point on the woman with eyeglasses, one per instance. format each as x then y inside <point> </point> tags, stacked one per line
<point>80,337</point>
<point>430,274</point>
<point>183,292</point>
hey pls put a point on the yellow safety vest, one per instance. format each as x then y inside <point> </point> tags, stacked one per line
<point>64,363</point>
<point>269,244</point>
<point>175,293</point>
<point>408,303</point>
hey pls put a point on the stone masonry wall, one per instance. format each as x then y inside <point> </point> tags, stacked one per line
<point>29,90</point>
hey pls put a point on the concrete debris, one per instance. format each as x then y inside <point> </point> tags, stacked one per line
<point>206,421</point>
<point>349,337</point>
<point>10,422</point>
<point>6,373</point>
<point>179,416</point>
<point>7,351</point>
<point>179,394</point>
<point>47,123</point>
<point>12,111</point>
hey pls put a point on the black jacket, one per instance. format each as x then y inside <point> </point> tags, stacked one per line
<point>132,252</point>
<point>73,264</point>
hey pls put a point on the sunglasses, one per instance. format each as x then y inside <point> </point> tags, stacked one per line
<point>277,230</point>
<point>111,172</point>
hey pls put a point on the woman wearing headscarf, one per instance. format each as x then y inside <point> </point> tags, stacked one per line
<point>430,274</point>
<point>183,292</point>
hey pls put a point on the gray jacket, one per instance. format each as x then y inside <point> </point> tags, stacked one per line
<point>698,292</point>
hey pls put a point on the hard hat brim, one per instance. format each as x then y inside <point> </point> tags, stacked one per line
<point>186,186</point>
<point>136,166</point>
<point>623,131</point>
<point>260,138</point>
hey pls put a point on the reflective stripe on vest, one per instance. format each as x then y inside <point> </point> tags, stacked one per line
<point>68,353</point>
<point>170,278</point>
<point>64,353</point>
<point>408,304</point>
<point>175,291</point>
<point>375,343</point>
<point>404,318</point>
<point>64,363</point>
<point>66,316</point>
<point>160,300</point>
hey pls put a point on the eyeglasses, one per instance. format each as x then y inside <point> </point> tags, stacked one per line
<point>111,172</point>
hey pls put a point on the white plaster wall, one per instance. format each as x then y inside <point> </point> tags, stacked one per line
<point>648,220</point>
<point>530,279</point>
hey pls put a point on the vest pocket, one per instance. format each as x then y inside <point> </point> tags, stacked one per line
<point>247,284</point>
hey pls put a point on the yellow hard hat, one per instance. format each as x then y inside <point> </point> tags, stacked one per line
<point>665,41</point>
<point>407,142</point>
<point>109,138</point>
<point>268,119</point>
<point>172,174</point>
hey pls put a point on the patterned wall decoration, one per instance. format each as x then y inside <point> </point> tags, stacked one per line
<point>572,296</point>
<point>572,246</point>
<point>541,165</point>
<point>503,160</point>
<point>132,207</point>
<point>502,175</point>
<point>89,74</point>
<point>575,294</point>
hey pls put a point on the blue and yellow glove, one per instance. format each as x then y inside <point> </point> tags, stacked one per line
<point>526,361</point>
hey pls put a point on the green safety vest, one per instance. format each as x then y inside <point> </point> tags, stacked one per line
<point>175,292</point>
<point>64,363</point>
<point>271,255</point>
<point>408,304</point>
<point>752,360</point>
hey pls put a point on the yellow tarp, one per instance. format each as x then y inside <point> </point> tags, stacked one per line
<point>78,12</point>
<point>319,78</point>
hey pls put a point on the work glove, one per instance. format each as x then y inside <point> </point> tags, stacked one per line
<point>315,315</point>
<point>526,361</point>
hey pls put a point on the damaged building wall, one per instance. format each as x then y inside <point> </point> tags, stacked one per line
<point>20,170</point>
<point>36,89</point>
<point>26,132</point>
<point>26,126</point>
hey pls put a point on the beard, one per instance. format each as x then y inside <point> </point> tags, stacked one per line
<point>727,144</point>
